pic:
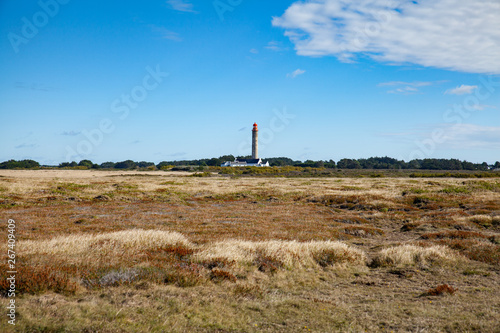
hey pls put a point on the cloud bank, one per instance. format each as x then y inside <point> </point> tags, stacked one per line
<point>455,35</point>
<point>469,136</point>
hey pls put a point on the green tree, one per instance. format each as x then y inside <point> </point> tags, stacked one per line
<point>330,164</point>
<point>347,163</point>
<point>86,163</point>
<point>144,164</point>
<point>24,164</point>
<point>108,165</point>
<point>128,164</point>
<point>484,166</point>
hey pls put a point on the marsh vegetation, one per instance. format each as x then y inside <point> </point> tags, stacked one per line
<point>123,251</point>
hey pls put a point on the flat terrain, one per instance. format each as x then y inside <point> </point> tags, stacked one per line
<point>124,251</point>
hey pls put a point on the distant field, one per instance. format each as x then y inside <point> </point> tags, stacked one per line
<point>125,251</point>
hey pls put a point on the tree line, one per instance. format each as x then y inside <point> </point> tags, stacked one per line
<point>345,163</point>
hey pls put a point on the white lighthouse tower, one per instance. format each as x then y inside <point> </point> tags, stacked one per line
<point>255,142</point>
<point>255,160</point>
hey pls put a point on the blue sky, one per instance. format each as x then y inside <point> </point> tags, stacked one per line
<point>324,79</point>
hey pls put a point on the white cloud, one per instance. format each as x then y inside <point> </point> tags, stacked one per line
<point>32,86</point>
<point>401,83</point>
<point>275,46</point>
<point>182,6</point>
<point>468,136</point>
<point>166,34</point>
<point>407,88</point>
<point>70,133</point>
<point>449,34</point>
<point>254,51</point>
<point>461,90</point>
<point>295,73</point>
<point>25,145</point>
<point>182,153</point>
<point>404,91</point>
<point>480,107</point>
<point>456,136</point>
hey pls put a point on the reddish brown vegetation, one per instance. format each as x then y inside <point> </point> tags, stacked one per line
<point>219,275</point>
<point>440,290</point>
<point>454,234</point>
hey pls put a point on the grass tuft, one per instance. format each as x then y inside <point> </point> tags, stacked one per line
<point>411,255</point>
<point>485,221</point>
<point>88,246</point>
<point>288,254</point>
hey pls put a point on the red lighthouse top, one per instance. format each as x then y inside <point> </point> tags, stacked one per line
<point>255,127</point>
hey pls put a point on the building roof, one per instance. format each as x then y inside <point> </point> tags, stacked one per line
<point>250,160</point>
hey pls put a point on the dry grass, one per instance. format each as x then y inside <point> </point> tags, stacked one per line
<point>453,234</point>
<point>412,255</point>
<point>289,254</point>
<point>169,252</point>
<point>89,246</point>
<point>485,221</point>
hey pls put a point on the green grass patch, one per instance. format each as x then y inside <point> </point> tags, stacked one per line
<point>456,190</point>
<point>171,182</point>
<point>64,188</point>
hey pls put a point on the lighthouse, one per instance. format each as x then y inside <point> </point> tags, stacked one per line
<point>255,161</point>
<point>255,143</point>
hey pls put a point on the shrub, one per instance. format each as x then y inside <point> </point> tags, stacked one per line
<point>201,174</point>
<point>116,278</point>
<point>184,275</point>
<point>456,190</point>
<point>219,275</point>
<point>267,264</point>
<point>440,290</point>
<point>39,279</point>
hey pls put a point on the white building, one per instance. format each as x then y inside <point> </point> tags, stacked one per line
<point>246,162</point>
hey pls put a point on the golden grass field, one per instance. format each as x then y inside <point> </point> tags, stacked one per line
<point>134,251</point>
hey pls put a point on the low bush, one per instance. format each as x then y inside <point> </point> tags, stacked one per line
<point>39,279</point>
<point>184,275</point>
<point>219,275</point>
<point>440,290</point>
